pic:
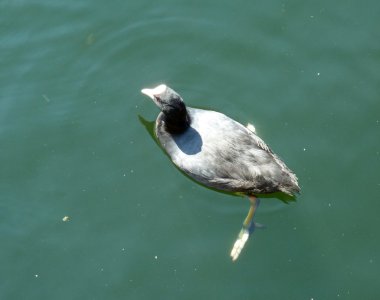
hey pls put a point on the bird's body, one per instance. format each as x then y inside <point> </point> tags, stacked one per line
<point>223,154</point>
<point>219,152</point>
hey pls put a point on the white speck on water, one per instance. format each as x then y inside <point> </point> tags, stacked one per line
<point>329,204</point>
<point>122,249</point>
<point>36,275</point>
<point>46,98</point>
<point>312,17</point>
<point>318,74</point>
<point>132,170</point>
<point>304,149</point>
<point>155,257</point>
<point>124,175</point>
<point>65,218</point>
<point>101,270</point>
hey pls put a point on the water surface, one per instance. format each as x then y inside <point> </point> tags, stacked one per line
<point>306,74</point>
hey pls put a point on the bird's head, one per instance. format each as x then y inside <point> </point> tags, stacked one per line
<point>166,99</point>
<point>171,105</point>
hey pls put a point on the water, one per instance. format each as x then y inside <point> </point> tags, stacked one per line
<point>306,74</point>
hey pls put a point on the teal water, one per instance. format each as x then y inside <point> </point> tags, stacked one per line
<point>306,74</point>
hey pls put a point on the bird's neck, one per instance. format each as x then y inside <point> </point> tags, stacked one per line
<point>177,123</point>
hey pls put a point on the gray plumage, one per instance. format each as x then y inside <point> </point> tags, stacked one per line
<point>223,154</point>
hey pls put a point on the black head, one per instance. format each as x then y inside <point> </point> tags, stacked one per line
<point>172,106</point>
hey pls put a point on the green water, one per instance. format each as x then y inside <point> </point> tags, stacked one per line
<point>305,73</point>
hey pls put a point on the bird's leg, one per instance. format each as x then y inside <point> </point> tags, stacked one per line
<point>247,229</point>
<point>248,221</point>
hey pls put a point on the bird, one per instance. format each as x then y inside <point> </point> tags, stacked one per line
<point>220,153</point>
